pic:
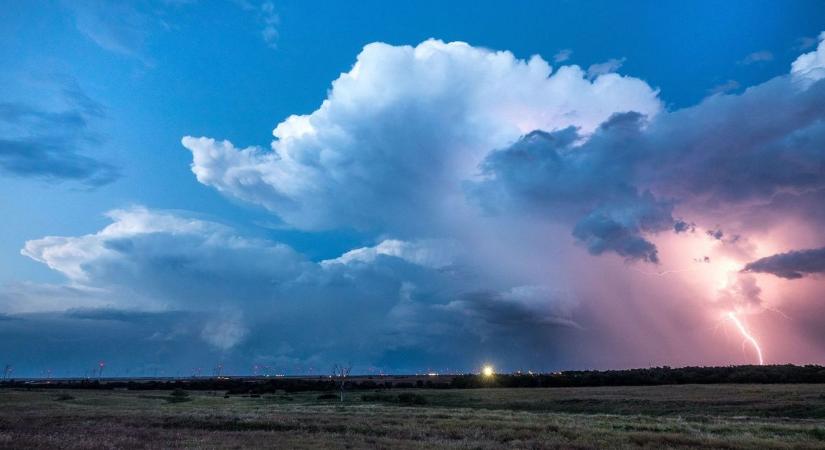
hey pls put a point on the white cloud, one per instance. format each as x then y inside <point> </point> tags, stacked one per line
<point>389,147</point>
<point>244,289</point>
<point>562,55</point>
<point>811,66</point>
<point>724,88</point>
<point>429,253</point>
<point>75,256</point>
<point>267,16</point>
<point>116,27</point>
<point>609,66</point>
<point>757,57</point>
<point>155,259</point>
<point>270,19</point>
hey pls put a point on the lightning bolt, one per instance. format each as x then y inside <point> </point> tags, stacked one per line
<point>748,338</point>
<point>746,335</point>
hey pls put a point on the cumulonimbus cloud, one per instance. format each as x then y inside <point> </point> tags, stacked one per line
<point>390,146</point>
<point>395,146</point>
<point>448,141</point>
<point>479,178</point>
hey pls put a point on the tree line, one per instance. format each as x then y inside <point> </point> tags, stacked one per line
<point>582,378</point>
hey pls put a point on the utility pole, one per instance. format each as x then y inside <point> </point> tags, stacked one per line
<point>341,372</point>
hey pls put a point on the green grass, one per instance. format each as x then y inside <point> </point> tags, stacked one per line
<point>708,416</point>
<point>798,401</point>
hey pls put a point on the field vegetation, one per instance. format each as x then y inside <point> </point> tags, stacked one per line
<point>727,416</point>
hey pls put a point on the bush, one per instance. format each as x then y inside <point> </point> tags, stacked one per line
<point>64,397</point>
<point>178,396</point>
<point>329,397</point>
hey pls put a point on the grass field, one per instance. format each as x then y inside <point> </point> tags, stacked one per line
<point>688,416</point>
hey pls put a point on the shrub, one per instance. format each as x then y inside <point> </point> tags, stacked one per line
<point>64,397</point>
<point>329,397</point>
<point>178,396</point>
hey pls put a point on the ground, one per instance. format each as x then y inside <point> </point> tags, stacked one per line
<point>688,416</point>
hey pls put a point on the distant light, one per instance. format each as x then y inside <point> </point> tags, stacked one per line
<point>488,371</point>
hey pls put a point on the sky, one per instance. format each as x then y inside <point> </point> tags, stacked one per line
<point>280,186</point>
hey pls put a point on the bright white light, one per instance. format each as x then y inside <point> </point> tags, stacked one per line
<point>747,336</point>
<point>488,371</point>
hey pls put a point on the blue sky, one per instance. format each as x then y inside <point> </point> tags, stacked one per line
<point>111,89</point>
<point>205,69</point>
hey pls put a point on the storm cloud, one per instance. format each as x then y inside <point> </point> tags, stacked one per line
<point>236,291</point>
<point>502,206</point>
<point>589,185</point>
<point>624,181</point>
<point>791,265</point>
<point>612,166</point>
<point>403,128</point>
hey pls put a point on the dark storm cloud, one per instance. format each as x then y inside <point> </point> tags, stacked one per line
<point>549,174</point>
<point>70,344</point>
<point>119,315</point>
<point>681,226</point>
<point>621,184</point>
<point>49,144</point>
<point>519,308</point>
<point>791,265</point>
<point>601,232</point>
<point>716,234</point>
<point>736,148</point>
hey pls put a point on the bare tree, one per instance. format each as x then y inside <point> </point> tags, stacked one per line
<point>7,371</point>
<point>340,373</point>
